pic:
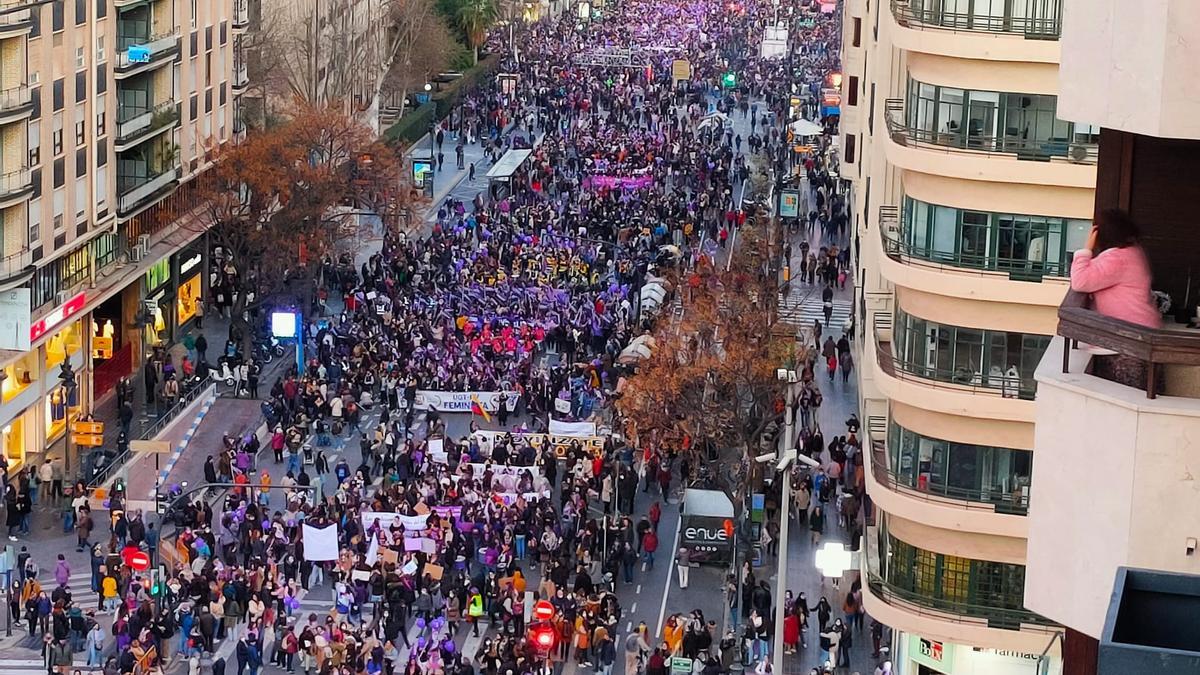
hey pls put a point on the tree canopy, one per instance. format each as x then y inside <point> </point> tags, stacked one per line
<point>281,200</point>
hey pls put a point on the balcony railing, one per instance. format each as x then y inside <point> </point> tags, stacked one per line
<point>891,231</point>
<point>15,98</point>
<point>1158,347</point>
<point>134,191</point>
<point>979,145</point>
<point>157,46</point>
<point>970,499</point>
<point>960,378</point>
<point>143,121</point>
<point>1004,618</point>
<point>15,182</point>
<point>13,264</point>
<point>241,14</point>
<point>241,75</point>
<point>16,14</point>
<point>1041,19</point>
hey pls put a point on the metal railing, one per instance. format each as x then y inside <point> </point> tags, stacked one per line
<point>960,378</point>
<point>186,398</point>
<point>15,98</point>
<point>132,191</point>
<point>14,182</point>
<point>954,611</point>
<point>134,121</point>
<point>13,264</point>
<point>157,45</point>
<point>1042,19</point>
<point>969,499</point>
<point>241,13</point>
<point>980,145</point>
<point>891,232</point>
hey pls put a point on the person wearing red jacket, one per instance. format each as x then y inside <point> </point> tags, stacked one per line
<point>649,546</point>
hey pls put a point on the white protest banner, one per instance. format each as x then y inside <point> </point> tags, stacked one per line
<point>559,428</point>
<point>559,443</point>
<point>320,543</point>
<point>411,523</point>
<point>373,551</point>
<point>460,401</point>
<point>437,450</point>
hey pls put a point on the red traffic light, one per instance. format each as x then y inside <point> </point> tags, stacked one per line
<point>137,559</point>
<point>545,638</point>
<point>543,611</point>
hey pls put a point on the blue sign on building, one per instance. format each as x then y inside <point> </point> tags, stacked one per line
<point>139,54</point>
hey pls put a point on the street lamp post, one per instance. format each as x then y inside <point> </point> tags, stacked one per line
<point>786,454</point>
<point>432,152</point>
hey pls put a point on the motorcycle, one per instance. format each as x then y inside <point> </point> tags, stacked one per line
<point>228,369</point>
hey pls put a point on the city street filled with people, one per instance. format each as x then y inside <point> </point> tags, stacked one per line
<point>448,456</point>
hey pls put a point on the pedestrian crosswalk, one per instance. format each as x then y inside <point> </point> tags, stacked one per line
<point>801,305</point>
<point>37,665</point>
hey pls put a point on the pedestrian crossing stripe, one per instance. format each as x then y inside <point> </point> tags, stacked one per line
<point>40,665</point>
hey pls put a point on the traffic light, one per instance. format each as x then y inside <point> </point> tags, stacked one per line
<point>729,79</point>
<point>543,637</point>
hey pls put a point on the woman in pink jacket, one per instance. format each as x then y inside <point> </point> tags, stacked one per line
<point>1113,268</point>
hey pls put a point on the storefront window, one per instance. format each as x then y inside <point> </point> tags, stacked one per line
<point>960,470</point>
<point>63,343</point>
<point>991,360</point>
<point>158,274</point>
<point>61,407</point>
<point>19,375</point>
<point>189,296</point>
<point>12,436</point>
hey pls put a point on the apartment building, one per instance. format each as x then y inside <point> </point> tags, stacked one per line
<point>1114,481</point>
<point>109,110</point>
<point>970,190</point>
<point>317,51</point>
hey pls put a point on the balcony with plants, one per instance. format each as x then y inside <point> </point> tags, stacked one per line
<point>146,173</point>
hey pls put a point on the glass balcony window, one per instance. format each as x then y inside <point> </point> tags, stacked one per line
<point>1002,242</point>
<point>963,471</point>
<point>987,360</point>
<point>990,121</point>
<point>979,588</point>
<point>1041,18</point>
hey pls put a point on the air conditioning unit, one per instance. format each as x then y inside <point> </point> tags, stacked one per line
<point>62,297</point>
<point>141,249</point>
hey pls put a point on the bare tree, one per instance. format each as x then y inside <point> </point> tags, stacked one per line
<point>418,44</point>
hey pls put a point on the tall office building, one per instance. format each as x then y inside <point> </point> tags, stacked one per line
<point>970,190</point>
<point>109,110</point>
<point>1114,481</point>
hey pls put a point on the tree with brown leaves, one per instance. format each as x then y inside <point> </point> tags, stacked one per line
<point>711,378</point>
<point>280,201</point>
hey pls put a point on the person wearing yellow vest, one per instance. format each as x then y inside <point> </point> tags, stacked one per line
<point>474,610</point>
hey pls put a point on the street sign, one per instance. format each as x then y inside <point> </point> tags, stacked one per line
<point>87,427</point>
<point>680,666</point>
<point>87,440</point>
<point>137,559</point>
<point>543,611</point>
<point>157,447</point>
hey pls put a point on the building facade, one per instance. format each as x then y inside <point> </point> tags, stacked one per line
<point>321,52</point>
<point>1114,484</point>
<point>970,189</point>
<point>109,111</point>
